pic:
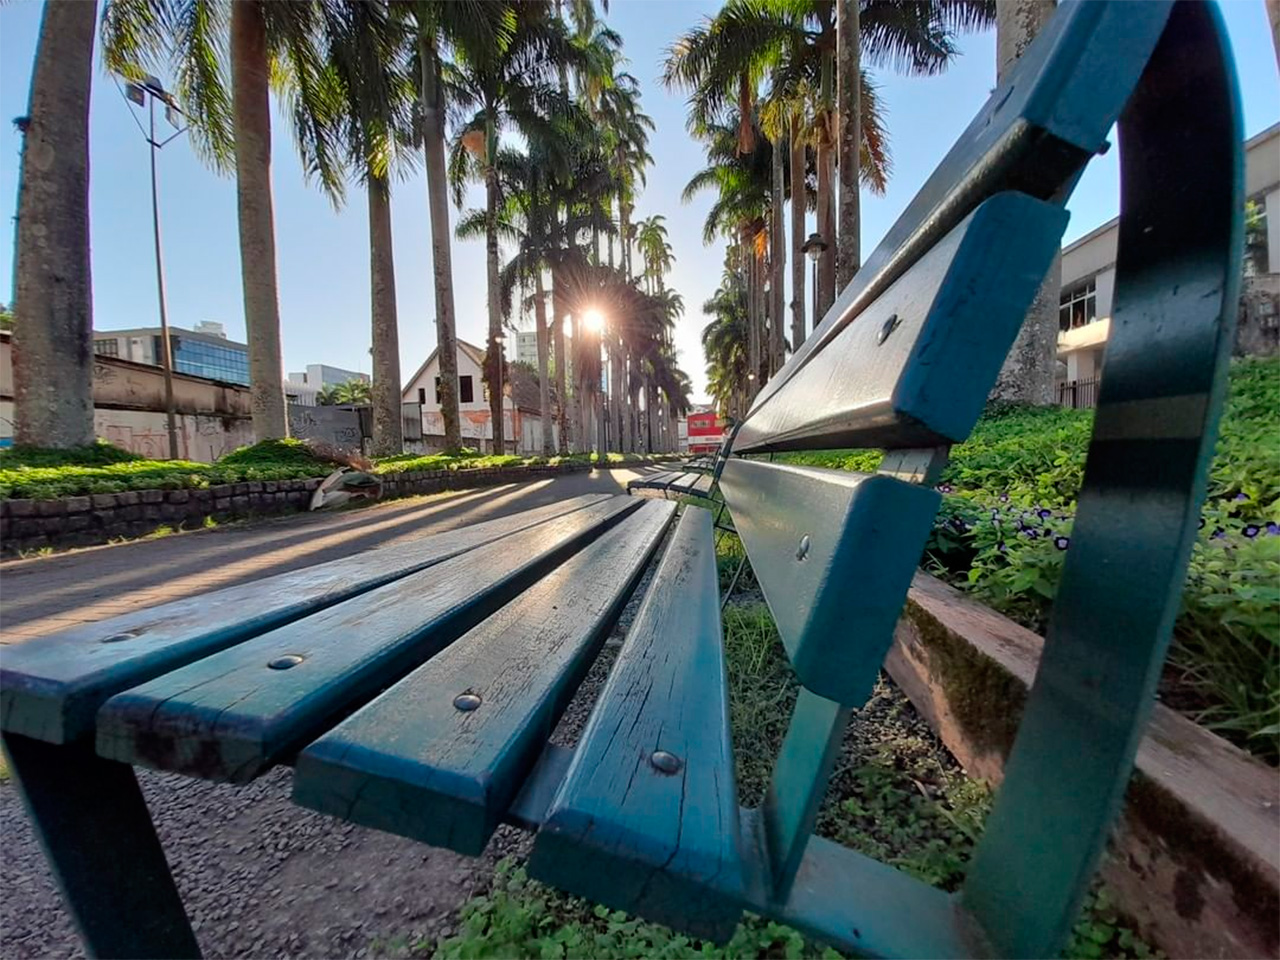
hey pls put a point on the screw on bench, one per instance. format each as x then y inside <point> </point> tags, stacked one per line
<point>117,637</point>
<point>285,662</point>
<point>466,702</point>
<point>665,762</point>
<point>802,551</point>
<point>890,325</point>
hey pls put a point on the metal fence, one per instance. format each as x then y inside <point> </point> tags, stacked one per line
<point>1081,394</point>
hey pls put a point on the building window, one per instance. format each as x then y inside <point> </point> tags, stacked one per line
<point>466,391</point>
<point>1078,306</point>
<point>107,348</point>
<point>422,393</point>
<point>200,359</point>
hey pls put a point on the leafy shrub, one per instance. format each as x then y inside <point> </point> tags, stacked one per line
<point>275,454</point>
<point>97,454</point>
<point>520,917</point>
<point>1005,524</point>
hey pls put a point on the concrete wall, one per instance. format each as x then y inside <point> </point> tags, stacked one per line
<point>213,418</point>
<point>332,425</point>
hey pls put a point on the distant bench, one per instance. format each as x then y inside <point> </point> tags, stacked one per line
<point>414,689</point>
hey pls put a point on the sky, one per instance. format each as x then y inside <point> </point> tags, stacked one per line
<point>322,253</point>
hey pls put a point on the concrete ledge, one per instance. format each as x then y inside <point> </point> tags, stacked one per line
<point>1194,861</point>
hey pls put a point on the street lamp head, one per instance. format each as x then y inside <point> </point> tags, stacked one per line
<point>814,246</point>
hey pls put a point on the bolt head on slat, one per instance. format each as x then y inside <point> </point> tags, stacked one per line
<point>285,662</point>
<point>665,762</point>
<point>118,637</point>
<point>802,550</point>
<point>466,702</point>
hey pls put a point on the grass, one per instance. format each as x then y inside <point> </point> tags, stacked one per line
<point>35,473</point>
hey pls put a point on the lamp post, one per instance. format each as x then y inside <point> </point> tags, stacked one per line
<point>500,339</point>
<point>147,93</point>
<point>813,248</point>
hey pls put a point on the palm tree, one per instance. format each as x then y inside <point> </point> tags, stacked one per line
<point>356,392</point>
<point>724,343</point>
<point>513,86</point>
<point>284,43</point>
<point>1028,370</point>
<point>792,44</point>
<point>369,55</point>
<point>53,352</point>
<point>479,26</point>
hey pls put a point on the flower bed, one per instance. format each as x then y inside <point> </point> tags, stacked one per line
<point>1005,527</point>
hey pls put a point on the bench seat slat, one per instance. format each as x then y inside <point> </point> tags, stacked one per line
<point>231,715</point>
<point>51,689</point>
<point>834,553</point>
<point>413,764</point>
<point>915,368</point>
<point>647,818</point>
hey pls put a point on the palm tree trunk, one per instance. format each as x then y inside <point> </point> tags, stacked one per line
<point>777,260</point>
<point>849,107</point>
<point>1028,371</point>
<point>624,242</point>
<point>753,321</point>
<point>251,109</point>
<point>544,385</point>
<point>562,397</point>
<point>617,391</point>
<point>388,431</point>
<point>493,366</point>
<point>441,251</point>
<point>53,335</point>
<point>797,233</point>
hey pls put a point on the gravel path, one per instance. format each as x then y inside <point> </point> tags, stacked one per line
<point>261,877</point>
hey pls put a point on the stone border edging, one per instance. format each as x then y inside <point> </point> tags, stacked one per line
<point>98,518</point>
<point>1194,861</point>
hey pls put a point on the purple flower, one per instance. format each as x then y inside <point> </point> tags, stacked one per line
<point>1004,498</point>
<point>1001,547</point>
<point>1273,529</point>
<point>1043,514</point>
<point>1062,542</point>
<point>1251,530</point>
<point>1219,534</point>
<point>1030,533</point>
<point>945,488</point>
<point>1241,496</point>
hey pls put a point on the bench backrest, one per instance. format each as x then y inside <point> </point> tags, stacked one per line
<point>904,361</point>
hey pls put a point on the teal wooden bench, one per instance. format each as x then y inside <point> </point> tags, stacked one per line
<point>414,689</point>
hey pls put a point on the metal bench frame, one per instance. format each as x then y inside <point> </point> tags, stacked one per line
<point>643,813</point>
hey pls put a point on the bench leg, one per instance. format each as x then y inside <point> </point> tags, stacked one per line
<point>94,826</point>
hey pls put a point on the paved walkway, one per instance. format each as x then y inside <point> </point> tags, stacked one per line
<point>260,877</point>
<point>48,594</point>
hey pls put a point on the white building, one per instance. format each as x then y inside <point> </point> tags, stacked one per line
<point>303,388</point>
<point>527,350</point>
<point>521,416</point>
<point>1089,274</point>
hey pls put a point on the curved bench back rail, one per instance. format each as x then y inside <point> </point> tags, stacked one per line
<point>904,361</point>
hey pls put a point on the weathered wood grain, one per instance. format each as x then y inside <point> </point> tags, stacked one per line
<point>647,818</point>
<point>916,368</point>
<point>412,763</point>
<point>834,553</point>
<point>232,715</point>
<point>51,688</point>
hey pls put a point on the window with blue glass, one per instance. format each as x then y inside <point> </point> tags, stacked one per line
<point>212,360</point>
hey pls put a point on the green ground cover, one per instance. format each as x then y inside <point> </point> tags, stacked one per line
<point>103,468</point>
<point>1005,527</point>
